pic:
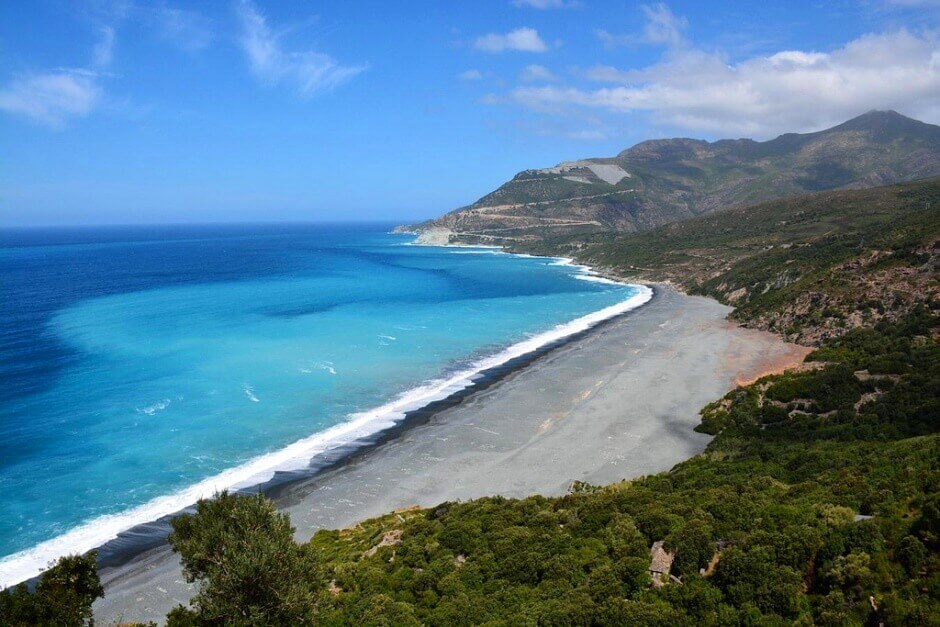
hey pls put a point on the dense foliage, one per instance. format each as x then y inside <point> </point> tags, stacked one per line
<point>251,572</point>
<point>818,501</point>
<point>808,268</point>
<point>63,596</point>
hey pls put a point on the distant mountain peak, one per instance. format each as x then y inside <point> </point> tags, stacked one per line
<point>877,119</point>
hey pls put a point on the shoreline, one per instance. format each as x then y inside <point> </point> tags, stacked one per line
<point>142,528</point>
<point>618,401</point>
<point>143,538</point>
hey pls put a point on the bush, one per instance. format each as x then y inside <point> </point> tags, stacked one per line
<point>251,572</point>
<point>63,596</point>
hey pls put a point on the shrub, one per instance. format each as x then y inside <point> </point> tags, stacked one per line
<point>250,570</point>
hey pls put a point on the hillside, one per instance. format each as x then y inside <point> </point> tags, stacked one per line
<point>808,268</point>
<point>666,180</point>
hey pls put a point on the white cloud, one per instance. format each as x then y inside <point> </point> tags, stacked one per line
<point>52,98</point>
<point>795,58</point>
<point>104,49</point>
<point>471,75</point>
<point>612,41</point>
<point>534,72</point>
<point>521,39</point>
<point>791,90</point>
<point>185,29</point>
<point>609,74</point>
<point>663,27</point>
<point>589,135</point>
<point>310,72</point>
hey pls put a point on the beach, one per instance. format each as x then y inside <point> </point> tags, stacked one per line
<point>617,402</point>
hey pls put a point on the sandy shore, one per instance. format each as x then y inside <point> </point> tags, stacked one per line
<point>617,403</point>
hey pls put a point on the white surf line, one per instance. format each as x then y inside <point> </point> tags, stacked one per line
<point>31,562</point>
<point>586,273</point>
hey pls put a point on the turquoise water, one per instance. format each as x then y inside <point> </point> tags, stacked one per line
<point>139,363</point>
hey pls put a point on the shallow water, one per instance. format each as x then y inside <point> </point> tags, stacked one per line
<point>138,363</point>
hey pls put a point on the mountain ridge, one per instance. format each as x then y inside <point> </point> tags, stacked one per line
<point>660,181</point>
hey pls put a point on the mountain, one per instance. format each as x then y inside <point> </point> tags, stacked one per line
<point>809,268</point>
<point>666,180</point>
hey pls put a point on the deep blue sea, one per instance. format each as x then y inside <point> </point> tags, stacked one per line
<point>143,367</point>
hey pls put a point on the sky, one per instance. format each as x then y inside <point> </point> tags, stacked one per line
<point>126,111</point>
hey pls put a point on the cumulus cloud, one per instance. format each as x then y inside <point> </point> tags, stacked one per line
<point>52,98</point>
<point>470,75</point>
<point>522,39</point>
<point>531,73</point>
<point>310,72</point>
<point>792,90</point>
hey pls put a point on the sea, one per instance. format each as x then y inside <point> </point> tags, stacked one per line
<point>143,368</point>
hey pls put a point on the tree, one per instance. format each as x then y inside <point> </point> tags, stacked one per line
<point>251,572</point>
<point>912,554</point>
<point>63,596</point>
<point>753,576</point>
<point>851,573</point>
<point>693,546</point>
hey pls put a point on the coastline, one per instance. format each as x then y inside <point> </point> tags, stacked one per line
<point>120,537</point>
<point>616,402</point>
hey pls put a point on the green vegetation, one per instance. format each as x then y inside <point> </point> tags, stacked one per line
<point>808,268</point>
<point>818,502</point>
<point>251,572</point>
<point>63,595</point>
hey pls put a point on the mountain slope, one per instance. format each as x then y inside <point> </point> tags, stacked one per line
<point>661,181</point>
<point>809,268</point>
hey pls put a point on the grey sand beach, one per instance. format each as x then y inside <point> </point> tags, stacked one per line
<point>617,403</point>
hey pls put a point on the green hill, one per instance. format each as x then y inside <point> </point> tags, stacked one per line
<point>809,267</point>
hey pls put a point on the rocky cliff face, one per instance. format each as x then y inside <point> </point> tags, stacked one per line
<point>661,181</point>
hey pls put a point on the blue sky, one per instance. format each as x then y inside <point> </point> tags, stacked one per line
<point>124,111</point>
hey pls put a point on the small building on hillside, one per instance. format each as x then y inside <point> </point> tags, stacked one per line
<point>660,564</point>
